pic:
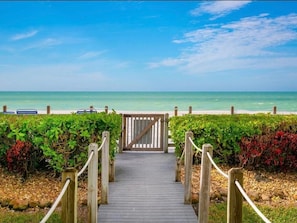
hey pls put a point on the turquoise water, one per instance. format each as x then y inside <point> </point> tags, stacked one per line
<point>151,101</point>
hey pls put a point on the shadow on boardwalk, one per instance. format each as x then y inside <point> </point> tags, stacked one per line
<point>145,191</point>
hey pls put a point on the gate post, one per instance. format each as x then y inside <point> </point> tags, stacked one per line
<point>188,168</point>
<point>123,134</point>
<point>165,140</point>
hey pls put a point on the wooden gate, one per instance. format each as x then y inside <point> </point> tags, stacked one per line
<point>144,132</point>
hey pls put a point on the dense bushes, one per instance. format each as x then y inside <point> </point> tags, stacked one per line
<point>233,136</point>
<point>19,156</point>
<point>274,151</point>
<point>56,141</point>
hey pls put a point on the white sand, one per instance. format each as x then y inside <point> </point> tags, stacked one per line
<point>171,113</point>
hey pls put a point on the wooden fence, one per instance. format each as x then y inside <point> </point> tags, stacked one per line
<point>48,110</point>
<point>234,177</point>
<point>92,110</point>
<point>68,194</point>
<point>232,110</point>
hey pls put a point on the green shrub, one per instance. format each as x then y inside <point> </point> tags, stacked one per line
<point>5,142</point>
<point>225,132</point>
<point>61,140</point>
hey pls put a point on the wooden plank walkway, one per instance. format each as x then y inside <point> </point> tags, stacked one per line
<point>145,191</point>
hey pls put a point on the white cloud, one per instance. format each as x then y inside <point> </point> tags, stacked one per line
<point>218,8</point>
<point>167,62</point>
<point>26,35</point>
<point>48,42</point>
<point>250,43</point>
<point>90,55</point>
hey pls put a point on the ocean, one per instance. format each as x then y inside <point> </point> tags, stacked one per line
<point>205,102</point>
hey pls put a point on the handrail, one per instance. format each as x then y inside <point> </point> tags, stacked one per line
<point>196,147</point>
<point>236,182</point>
<point>90,158</point>
<point>215,165</point>
<point>67,182</point>
<point>250,202</point>
<point>86,164</point>
<point>50,212</point>
<point>182,155</point>
<point>210,159</point>
<point>102,144</point>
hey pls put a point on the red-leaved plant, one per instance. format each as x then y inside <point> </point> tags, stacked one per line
<point>276,151</point>
<point>18,157</point>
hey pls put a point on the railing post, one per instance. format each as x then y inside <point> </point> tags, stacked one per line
<point>105,169</point>
<point>93,184</point>
<point>69,200</point>
<point>4,108</point>
<point>204,194</point>
<point>188,168</point>
<point>122,136</point>
<point>234,205</point>
<point>274,110</point>
<point>48,109</point>
<point>232,110</point>
<point>177,169</point>
<point>165,141</point>
<point>175,110</point>
<point>111,171</point>
<point>190,109</point>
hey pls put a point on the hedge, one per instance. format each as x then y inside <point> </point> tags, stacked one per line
<point>229,134</point>
<point>43,142</point>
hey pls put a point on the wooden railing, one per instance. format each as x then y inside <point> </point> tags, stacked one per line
<point>68,194</point>
<point>232,110</point>
<point>48,110</point>
<point>92,109</point>
<point>234,177</point>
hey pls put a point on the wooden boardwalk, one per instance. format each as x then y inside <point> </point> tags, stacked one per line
<point>145,191</point>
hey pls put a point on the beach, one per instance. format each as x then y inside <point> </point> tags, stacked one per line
<point>172,113</point>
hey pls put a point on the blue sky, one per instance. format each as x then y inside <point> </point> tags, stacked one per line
<point>148,46</point>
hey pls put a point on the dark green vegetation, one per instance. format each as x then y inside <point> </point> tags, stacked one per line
<point>53,142</point>
<point>253,141</point>
<point>22,217</point>
<point>35,217</point>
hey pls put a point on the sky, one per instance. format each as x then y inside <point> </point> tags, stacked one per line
<point>148,45</point>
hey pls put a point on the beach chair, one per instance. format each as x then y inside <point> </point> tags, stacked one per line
<point>86,111</point>
<point>27,112</point>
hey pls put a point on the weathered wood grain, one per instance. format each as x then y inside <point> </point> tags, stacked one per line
<point>145,191</point>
